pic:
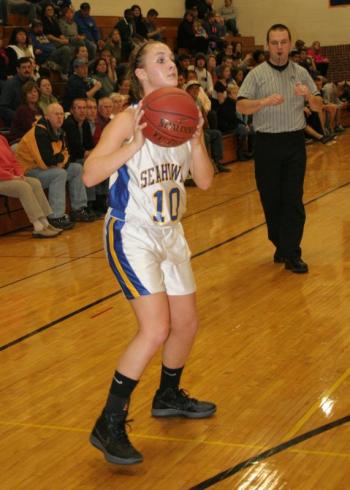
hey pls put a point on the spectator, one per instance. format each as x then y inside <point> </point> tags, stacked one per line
<point>211,67</point>
<point>153,32</point>
<point>126,29</point>
<point>69,29</point>
<point>47,51</point>
<point>27,113</point>
<point>104,112</point>
<point>43,153</point>
<point>28,190</point>
<point>4,62</point>
<point>46,97</point>
<point>111,63</point>
<point>258,57</point>
<point>91,113</point>
<point>227,12</point>
<point>321,62</point>
<point>183,63</point>
<point>101,73</point>
<point>332,93</point>
<point>87,25</point>
<point>213,137</point>
<point>186,38</point>
<point>79,86</point>
<point>203,75</point>
<point>11,93</point>
<point>215,35</point>
<point>119,103</point>
<point>18,47</point>
<point>238,76</point>
<point>114,45</point>
<point>140,28</point>
<point>307,62</point>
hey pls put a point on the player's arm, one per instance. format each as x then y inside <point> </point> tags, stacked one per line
<point>202,171</point>
<point>113,148</point>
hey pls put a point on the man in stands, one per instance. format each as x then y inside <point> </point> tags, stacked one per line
<point>104,112</point>
<point>78,85</point>
<point>11,93</point>
<point>87,25</point>
<point>43,153</point>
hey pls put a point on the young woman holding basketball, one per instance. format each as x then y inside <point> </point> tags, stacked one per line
<point>148,253</point>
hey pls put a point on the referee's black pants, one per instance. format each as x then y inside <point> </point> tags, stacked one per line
<point>280,161</point>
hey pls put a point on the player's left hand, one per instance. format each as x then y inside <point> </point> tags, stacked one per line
<point>196,138</point>
<point>302,90</point>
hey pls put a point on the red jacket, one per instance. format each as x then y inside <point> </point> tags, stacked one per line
<point>9,167</point>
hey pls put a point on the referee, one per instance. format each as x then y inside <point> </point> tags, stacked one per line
<point>275,93</point>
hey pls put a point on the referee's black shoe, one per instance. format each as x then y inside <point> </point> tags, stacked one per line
<point>109,436</point>
<point>174,402</point>
<point>278,258</point>
<point>297,265</point>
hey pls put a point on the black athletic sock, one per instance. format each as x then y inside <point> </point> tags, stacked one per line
<point>170,378</point>
<point>119,394</point>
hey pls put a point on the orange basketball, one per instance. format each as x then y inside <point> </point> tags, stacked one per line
<point>171,116</point>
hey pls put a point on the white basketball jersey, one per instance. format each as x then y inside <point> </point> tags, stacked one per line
<point>149,188</point>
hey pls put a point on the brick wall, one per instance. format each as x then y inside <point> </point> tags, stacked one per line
<point>339,57</point>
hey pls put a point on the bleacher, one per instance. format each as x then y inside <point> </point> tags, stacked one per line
<point>12,216</point>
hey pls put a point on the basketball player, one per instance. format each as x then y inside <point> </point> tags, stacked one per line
<point>148,253</point>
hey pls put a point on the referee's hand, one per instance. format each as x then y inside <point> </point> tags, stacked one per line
<point>302,90</point>
<point>273,99</point>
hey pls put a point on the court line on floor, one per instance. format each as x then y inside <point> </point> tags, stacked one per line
<point>181,440</point>
<point>70,260</point>
<point>316,406</point>
<point>194,256</point>
<point>270,452</point>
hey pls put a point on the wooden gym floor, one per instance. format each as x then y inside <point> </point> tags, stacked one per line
<point>273,350</point>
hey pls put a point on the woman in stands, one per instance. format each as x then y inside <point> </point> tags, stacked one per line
<point>18,47</point>
<point>27,113</point>
<point>28,190</point>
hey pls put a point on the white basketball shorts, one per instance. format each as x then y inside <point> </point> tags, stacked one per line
<point>148,260</point>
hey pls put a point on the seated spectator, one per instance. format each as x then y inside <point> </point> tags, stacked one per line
<point>28,190</point>
<point>46,97</point>
<point>238,76</point>
<point>333,93</point>
<point>307,62</point>
<point>4,62</point>
<point>43,153</point>
<point>294,56</point>
<point>186,38</point>
<point>321,62</point>
<point>227,12</point>
<point>104,112</point>
<point>27,113</point>
<point>203,75</point>
<point>223,81</point>
<point>202,6</point>
<point>125,88</point>
<point>47,51</point>
<point>100,73</point>
<point>18,47</point>
<point>69,29</point>
<point>22,7</point>
<point>215,34</point>
<point>211,67</point>
<point>229,122</point>
<point>227,52</point>
<point>87,25</point>
<point>125,26</point>
<point>114,45</point>
<point>313,127</point>
<point>79,139</point>
<point>183,63</point>
<point>91,113</point>
<point>79,86</point>
<point>258,57</point>
<point>153,32</point>
<point>198,28</point>
<point>120,102</point>
<point>11,93</point>
<point>329,113</point>
<point>213,137</point>
<point>111,63</point>
<point>203,98</point>
<point>140,28</point>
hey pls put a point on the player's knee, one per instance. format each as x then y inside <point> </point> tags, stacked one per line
<point>157,336</point>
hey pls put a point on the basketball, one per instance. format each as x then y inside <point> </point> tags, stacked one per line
<point>171,116</point>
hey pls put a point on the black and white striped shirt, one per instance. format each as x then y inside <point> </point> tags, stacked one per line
<point>265,80</point>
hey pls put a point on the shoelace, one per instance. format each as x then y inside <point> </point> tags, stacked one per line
<point>119,426</point>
